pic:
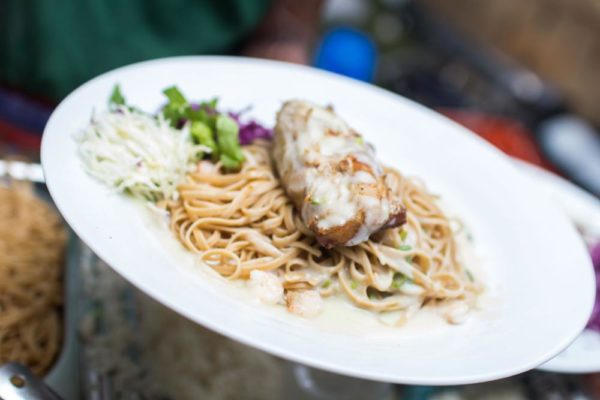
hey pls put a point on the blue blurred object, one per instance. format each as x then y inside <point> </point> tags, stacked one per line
<point>418,392</point>
<point>23,113</point>
<point>348,52</point>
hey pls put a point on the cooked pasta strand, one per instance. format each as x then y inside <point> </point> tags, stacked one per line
<point>31,246</point>
<point>260,230</point>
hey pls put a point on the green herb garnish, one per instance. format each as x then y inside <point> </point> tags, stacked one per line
<point>470,275</point>
<point>229,163</point>
<point>403,234</point>
<point>175,110</point>
<point>228,142</point>
<point>176,98</point>
<point>202,134</point>
<point>179,109</point>
<point>404,247</point>
<point>354,285</point>
<point>116,97</point>
<point>210,104</point>
<point>326,284</point>
<point>217,131</point>
<point>399,280</point>
<point>314,201</point>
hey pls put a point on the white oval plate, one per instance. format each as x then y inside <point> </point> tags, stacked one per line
<point>583,355</point>
<point>534,261</point>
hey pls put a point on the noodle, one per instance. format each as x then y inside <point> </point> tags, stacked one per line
<point>243,222</point>
<point>31,247</point>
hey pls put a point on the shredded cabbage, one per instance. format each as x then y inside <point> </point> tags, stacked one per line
<point>138,153</point>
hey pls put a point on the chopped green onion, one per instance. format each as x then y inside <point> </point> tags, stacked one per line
<point>403,234</point>
<point>410,258</point>
<point>470,275</point>
<point>405,247</point>
<point>314,201</point>
<point>326,284</point>
<point>399,280</point>
<point>354,285</point>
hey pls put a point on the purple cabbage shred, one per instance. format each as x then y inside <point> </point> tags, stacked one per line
<point>251,130</point>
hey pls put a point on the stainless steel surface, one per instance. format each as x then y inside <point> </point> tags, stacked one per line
<point>18,383</point>
<point>65,374</point>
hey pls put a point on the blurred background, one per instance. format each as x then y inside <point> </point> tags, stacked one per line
<point>523,75</point>
<point>518,73</point>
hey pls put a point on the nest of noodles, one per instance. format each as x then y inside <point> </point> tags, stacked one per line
<point>32,243</point>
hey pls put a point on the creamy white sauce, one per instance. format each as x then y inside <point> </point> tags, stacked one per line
<point>337,314</point>
<point>335,197</point>
<point>363,177</point>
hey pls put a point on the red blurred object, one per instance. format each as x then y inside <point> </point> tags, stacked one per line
<point>508,135</point>
<point>17,136</point>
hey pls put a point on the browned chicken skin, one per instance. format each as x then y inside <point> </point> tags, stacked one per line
<point>332,176</point>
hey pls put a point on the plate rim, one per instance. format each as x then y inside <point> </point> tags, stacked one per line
<point>586,199</point>
<point>317,363</point>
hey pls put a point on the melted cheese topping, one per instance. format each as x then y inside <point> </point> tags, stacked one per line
<point>334,170</point>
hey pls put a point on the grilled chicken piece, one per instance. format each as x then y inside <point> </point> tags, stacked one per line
<point>332,176</point>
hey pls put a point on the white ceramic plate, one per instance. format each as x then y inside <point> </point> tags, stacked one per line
<point>530,250</point>
<point>583,355</point>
